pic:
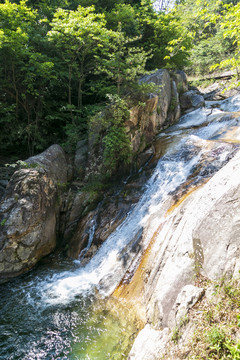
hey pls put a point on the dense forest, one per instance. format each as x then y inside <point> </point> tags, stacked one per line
<point>62,61</point>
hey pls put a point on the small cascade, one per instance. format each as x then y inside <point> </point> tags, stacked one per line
<point>91,232</point>
<point>191,152</point>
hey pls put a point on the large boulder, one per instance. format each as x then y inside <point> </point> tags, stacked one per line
<point>29,212</point>
<point>151,113</point>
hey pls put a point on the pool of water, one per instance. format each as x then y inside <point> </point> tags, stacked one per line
<point>86,328</point>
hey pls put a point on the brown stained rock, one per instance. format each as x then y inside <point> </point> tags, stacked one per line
<point>29,211</point>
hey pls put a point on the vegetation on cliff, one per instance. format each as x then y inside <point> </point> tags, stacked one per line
<point>60,59</point>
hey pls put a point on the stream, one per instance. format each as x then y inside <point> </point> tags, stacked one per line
<point>62,310</point>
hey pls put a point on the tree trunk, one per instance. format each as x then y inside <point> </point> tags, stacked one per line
<point>70,91</point>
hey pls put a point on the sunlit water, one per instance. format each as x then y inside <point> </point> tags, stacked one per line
<point>54,312</point>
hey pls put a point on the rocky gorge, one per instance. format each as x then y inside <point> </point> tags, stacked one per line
<point>165,235</point>
<point>35,199</point>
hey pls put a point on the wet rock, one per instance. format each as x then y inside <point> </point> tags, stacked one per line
<point>80,239</point>
<point>103,221</point>
<point>77,205</point>
<point>29,212</point>
<point>84,215</point>
<point>144,157</point>
<point>2,191</point>
<point>174,111</point>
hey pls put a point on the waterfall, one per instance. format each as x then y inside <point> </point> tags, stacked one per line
<point>190,146</point>
<point>47,314</point>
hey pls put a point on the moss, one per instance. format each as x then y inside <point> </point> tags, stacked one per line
<point>3,222</point>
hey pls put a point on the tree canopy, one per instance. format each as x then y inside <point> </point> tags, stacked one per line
<point>61,59</point>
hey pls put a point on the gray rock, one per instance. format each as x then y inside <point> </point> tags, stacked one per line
<point>149,344</point>
<point>2,191</point>
<point>191,100</point>
<point>29,211</point>
<point>180,78</point>
<point>3,183</point>
<point>145,156</point>
<point>186,299</point>
<point>174,111</point>
<point>162,79</point>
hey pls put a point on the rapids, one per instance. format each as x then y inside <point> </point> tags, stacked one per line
<point>56,311</point>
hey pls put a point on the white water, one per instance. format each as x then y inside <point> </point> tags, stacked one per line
<point>91,232</point>
<point>107,267</point>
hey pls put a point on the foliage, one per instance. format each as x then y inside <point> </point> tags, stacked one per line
<point>229,26</point>
<point>59,59</point>
<point>3,222</point>
<point>203,22</point>
<point>123,63</point>
<point>217,327</point>
<point>79,36</point>
<point>115,142</point>
<point>172,41</point>
<point>25,74</point>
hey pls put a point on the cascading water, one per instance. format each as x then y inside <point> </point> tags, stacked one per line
<point>51,313</point>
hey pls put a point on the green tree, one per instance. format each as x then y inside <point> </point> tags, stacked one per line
<point>123,63</point>
<point>230,24</point>
<point>202,22</point>
<point>172,42</point>
<point>25,73</point>
<point>79,36</point>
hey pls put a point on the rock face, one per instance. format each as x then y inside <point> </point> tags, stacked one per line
<point>29,212</point>
<point>80,160</point>
<point>161,109</point>
<point>200,238</point>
